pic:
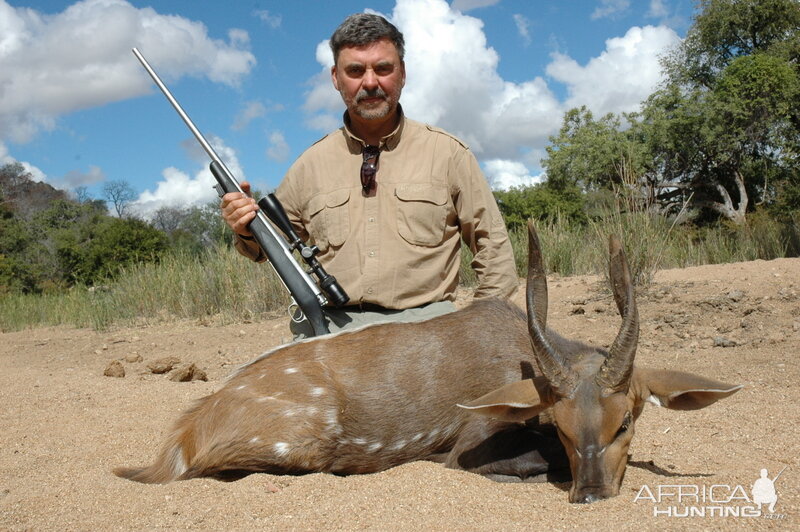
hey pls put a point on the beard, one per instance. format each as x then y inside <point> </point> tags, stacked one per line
<point>374,109</point>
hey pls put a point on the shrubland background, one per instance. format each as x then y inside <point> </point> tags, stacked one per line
<point>707,171</point>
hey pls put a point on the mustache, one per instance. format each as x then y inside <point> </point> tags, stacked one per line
<point>375,93</point>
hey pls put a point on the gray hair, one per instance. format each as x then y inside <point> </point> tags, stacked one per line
<point>365,28</point>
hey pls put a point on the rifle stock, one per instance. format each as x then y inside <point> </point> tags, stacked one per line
<point>305,292</point>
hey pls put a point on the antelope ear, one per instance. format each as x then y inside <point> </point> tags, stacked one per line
<point>680,391</point>
<point>518,401</point>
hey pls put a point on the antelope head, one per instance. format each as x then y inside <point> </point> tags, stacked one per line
<point>595,395</point>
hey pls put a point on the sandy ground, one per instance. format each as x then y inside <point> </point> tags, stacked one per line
<point>64,425</point>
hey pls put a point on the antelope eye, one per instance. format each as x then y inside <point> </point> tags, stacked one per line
<point>626,423</point>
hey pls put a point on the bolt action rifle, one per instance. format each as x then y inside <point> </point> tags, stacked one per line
<point>307,294</point>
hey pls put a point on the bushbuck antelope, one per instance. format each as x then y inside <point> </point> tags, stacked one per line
<point>370,399</point>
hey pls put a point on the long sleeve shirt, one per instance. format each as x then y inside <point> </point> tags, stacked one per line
<point>399,246</point>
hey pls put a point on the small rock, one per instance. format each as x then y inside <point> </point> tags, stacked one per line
<point>735,295</point>
<point>114,369</point>
<point>133,358</point>
<point>163,365</point>
<point>188,372</point>
<point>721,341</point>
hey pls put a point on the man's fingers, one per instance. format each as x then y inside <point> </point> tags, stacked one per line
<point>238,210</point>
<point>241,223</point>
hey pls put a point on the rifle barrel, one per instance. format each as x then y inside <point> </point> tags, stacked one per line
<point>188,121</point>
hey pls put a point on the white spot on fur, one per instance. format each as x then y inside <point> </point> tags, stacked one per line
<point>281,448</point>
<point>654,400</point>
<point>289,371</point>
<point>397,446</point>
<point>255,439</point>
<point>264,399</point>
<point>311,411</point>
<point>332,421</point>
<point>359,441</point>
<point>375,447</point>
<point>317,391</point>
<point>177,463</point>
<point>417,437</point>
<point>332,418</point>
<point>242,387</point>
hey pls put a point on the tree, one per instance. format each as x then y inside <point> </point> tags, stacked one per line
<point>114,244</point>
<point>589,153</point>
<point>120,194</point>
<point>540,202</point>
<point>724,128</point>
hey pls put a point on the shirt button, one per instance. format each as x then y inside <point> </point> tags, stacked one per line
<point>371,253</point>
<point>369,290</point>
<point>371,218</point>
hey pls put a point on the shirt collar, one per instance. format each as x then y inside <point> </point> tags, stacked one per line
<point>389,142</point>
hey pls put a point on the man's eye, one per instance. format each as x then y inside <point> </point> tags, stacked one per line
<point>355,72</point>
<point>384,70</point>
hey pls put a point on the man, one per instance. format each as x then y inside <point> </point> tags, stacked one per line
<point>386,199</point>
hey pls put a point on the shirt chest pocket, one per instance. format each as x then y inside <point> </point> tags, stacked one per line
<point>329,218</point>
<point>422,213</point>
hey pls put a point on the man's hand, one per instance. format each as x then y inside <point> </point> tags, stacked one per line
<point>238,210</point>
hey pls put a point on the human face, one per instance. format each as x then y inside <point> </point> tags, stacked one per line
<point>370,79</point>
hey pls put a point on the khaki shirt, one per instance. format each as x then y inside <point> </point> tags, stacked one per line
<point>398,248</point>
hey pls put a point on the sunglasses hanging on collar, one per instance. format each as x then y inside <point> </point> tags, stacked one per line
<point>369,168</point>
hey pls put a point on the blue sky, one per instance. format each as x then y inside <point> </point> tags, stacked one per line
<point>77,109</point>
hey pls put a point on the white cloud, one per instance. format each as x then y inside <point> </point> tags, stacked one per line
<point>466,5</point>
<point>269,19</point>
<point>620,77</point>
<point>51,65</point>
<point>278,149</point>
<point>610,8</point>
<point>505,174</point>
<point>657,9</point>
<point>76,178</point>
<point>523,28</point>
<point>250,112</point>
<point>6,158</point>
<point>179,189</point>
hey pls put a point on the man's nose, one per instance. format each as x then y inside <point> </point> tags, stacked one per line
<point>370,79</point>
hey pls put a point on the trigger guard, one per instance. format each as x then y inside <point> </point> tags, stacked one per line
<point>295,313</point>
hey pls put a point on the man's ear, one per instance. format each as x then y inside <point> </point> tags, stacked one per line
<point>517,401</point>
<point>334,79</point>
<point>679,391</point>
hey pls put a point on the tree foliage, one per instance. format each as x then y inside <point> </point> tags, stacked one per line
<point>720,136</point>
<point>541,202</point>
<point>64,242</point>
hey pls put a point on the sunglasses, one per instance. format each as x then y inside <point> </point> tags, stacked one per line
<point>369,167</point>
